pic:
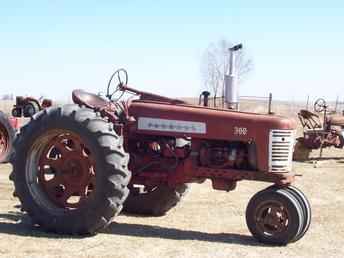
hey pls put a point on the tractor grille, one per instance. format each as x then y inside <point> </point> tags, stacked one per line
<point>281,144</point>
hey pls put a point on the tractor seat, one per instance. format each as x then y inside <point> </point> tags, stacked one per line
<point>307,114</point>
<point>336,120</point>
<point>90,100</point>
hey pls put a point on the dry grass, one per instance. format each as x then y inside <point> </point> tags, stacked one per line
<point>6,106</point>
<point>207,223</point>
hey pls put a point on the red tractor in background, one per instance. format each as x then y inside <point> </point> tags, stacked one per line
<point>24,107</point>
<point>318,134</point>
<point>7,134</point>
<point>76,166</point>
<point>28,106</point>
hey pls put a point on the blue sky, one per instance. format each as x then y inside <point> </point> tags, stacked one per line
<point>51,47</point>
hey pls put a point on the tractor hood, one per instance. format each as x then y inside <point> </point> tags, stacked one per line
<point>202,122</point>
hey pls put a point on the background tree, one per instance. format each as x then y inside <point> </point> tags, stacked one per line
<point>215,64</point>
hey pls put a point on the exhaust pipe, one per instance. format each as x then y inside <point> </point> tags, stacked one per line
<point>231,87</point>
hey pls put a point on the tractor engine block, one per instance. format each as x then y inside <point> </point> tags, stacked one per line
<point>222,155</point>
<point>157,153</point>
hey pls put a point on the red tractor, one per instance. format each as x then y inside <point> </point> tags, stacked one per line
<point>7,134</point>
<point>28,106</point>
<point>76,166</point>
<point>24,107</point>
<point>318,134</point>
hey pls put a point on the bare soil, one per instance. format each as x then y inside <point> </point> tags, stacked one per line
<point>207,223</point>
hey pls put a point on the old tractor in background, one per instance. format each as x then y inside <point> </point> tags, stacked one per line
<point>9,125</point>
<point>7,134</point>
<point>76,166</point>
<point>319,132</point>
<point>28,106</point>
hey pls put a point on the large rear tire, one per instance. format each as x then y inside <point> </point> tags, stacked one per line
<point>70,170</point>
<point>154,202</point>
<point>7,134</point>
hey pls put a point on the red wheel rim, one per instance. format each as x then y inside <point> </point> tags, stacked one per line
<point>272,218</point>
<point>66,171</point>
<point>3,141</point>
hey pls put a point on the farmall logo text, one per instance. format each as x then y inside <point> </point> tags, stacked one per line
<point>240,130</point>
<point>169,125</point>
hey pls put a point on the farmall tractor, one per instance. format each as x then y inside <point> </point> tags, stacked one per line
<point>77,166</point>
<point>318,134</point>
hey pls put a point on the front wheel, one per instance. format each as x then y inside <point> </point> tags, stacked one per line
<point>276,216</point>
<point>70,170</point>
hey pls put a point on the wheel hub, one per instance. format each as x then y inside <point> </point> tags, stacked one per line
<point>272,219</point>
<point>66,171</point>
<point>72,168</point>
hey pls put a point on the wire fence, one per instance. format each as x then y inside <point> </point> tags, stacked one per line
<point>259,104</point>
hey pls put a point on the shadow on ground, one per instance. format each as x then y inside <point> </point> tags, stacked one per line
<point>150,231</point>
<point>18,223</point>
<point>327,158</point>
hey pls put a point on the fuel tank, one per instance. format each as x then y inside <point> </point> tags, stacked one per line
<point>202,122</point>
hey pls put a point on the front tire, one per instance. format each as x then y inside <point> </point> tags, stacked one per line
<point>275,216</point>
<point>70,170</point>
<point>304,204</point>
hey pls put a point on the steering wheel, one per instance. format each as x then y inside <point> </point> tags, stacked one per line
<point>320,105</point>
<point>118,78</point>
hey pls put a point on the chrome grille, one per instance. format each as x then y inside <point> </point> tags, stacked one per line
<point>281,143</point>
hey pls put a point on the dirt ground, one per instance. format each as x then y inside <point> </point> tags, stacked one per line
<point>207,223</point>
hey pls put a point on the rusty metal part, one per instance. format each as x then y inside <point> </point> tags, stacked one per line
<point>90,100</point>
<point>335,120</point>
<point>272,218</point>
<point>309,119</point>
<point>317,135</point>
<point>117,113</point>
<point>321,139</point>
<point>223,185</point>
<point>150,96</point>
<point>46,103</point>
<point>67,171</point>
<point>188,172</point>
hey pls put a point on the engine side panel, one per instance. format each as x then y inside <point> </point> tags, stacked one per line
<point>153,118</point>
